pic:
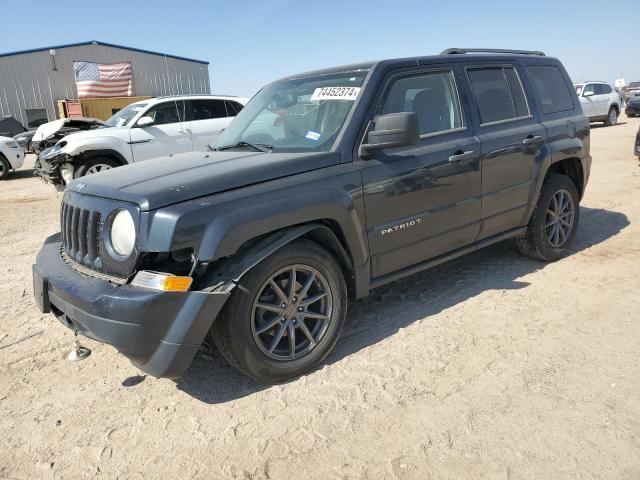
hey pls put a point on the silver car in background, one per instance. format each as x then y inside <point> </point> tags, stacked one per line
<point>600,102</point>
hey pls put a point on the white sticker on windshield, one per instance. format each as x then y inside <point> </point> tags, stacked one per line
<point>336,93</point>
<point>311,135</point>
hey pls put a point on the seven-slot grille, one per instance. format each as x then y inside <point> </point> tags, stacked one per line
<point>81,234</point>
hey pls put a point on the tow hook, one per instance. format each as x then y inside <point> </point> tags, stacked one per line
<point>78,352</point>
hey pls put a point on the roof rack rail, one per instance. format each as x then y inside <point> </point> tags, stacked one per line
<point>458,51</point>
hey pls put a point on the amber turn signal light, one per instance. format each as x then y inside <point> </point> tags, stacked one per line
<point>164,282</point>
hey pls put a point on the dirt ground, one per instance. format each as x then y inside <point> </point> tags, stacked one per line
<point>492,366</point>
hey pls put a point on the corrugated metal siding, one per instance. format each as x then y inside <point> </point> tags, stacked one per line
<point>29,81</point>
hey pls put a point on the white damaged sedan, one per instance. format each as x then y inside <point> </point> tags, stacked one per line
<point>11,156</point>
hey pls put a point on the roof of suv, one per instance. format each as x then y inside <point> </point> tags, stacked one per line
<point>457,54</point>
<point>191,97</point>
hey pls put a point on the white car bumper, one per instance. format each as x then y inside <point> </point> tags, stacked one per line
<point>15,157</point>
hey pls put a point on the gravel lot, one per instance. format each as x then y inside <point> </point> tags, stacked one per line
<point>492,366</point>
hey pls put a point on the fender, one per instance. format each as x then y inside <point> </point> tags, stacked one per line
<point>228,274</point>
<point>221,227</point>
<point>561,147</point>
<point>217,226</point>
<point>76,147</point>
<point>102,153</point>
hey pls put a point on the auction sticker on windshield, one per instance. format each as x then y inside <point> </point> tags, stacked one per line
<point>336,93</point>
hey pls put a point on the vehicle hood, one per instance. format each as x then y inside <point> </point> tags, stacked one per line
<point>93,133</point>
<point>177,178</point>
<point>47,129</point>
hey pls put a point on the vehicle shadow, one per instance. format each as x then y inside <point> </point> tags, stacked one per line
<point>392,307</point>
<point>22,173</point>
<point>602,125</point>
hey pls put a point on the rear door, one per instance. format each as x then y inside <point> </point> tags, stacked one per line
<point>601,99</point>
<point>512,140</point>
<point>609,98</point>
<point>208,117</point>
<point>423,200</point>
<point>168,135</point>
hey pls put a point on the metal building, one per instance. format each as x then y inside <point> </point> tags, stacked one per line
<point>32,81</point>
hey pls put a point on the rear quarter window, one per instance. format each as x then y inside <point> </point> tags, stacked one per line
<point>233,108</point>
<point>551,88</point>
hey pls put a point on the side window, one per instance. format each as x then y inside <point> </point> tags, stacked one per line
<point>552,88</point>
<point>498,93</point>
<point>589,88</point>
<point>233,108</point>
<point>607,89</point>
<point>599,89</point>
<point>168,112</point>
<point>432,96</point>
<point>206,109</point>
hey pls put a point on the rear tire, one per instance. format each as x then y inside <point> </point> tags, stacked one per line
<point>258,341</point>
<point>5,168</point>
<point>612,117</point>
<point>95,165</point>
<point>554,222</point>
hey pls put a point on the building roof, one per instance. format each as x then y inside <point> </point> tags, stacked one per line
<point>104,44</point>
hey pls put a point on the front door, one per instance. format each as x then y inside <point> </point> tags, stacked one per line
<point>168,135</point>
<point>589,103</point>
<point>512,141</point>
<point>422,201</point>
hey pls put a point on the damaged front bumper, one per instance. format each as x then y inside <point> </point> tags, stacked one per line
<point>54,167</point>
<point>160,332</point>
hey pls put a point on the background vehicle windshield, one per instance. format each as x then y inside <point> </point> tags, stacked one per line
<point>578,88</point>
<point>300,115</point>
<point>123,117</point>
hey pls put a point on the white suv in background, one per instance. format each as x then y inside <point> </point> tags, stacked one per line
<point>600,102</point>
<point>11,156</point>
<point>141,131</point>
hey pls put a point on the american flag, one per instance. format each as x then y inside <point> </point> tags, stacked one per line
<point>103,80</point>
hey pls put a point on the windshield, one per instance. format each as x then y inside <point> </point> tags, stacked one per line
<point>123,116</point>
<point>299,115</point>
<point>578,88</point>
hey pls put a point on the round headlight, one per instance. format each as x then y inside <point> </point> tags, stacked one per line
<point>123,233</point>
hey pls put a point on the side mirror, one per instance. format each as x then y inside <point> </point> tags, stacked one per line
<point>391,130</point>
<point>145,122</point>
<point>590,93</point>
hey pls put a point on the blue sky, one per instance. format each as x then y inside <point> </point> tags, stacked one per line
<point>251,42</point>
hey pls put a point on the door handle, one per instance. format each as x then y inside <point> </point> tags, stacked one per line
<point>532,140</point>
<point>462,156</point>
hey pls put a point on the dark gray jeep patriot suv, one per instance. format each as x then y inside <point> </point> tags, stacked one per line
<point>326,185</point>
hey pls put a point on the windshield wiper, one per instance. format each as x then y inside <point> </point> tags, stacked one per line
<point>259,147</point>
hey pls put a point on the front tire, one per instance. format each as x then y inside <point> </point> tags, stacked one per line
<point>612,117</point>
<point>287,316</point>
<point>5,168</point>
<point>554,222</point>
<point>95,165</point>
